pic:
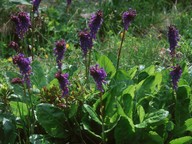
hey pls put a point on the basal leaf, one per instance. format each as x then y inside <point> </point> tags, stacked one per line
<point>18,106</point>
<point>53,120</point>
<point>92,113</point>
<point>182,140</point>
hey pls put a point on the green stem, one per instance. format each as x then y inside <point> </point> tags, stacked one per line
<point>102,119</point>
<point>33,113</point>
<point>119,51</point>
<point>32,36</point>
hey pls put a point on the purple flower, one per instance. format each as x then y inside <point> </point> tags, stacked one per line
<point>14,46</point>
<point>173,37</point>
<point>59,52</point>
<point>64,82</point>
<point>98,75</point>
<point>24,66</point>
<point>95,23</point>
<point>175,75</point>
<point>85,41</point>
<point>36,5</point>
<point>22,22</point>
<point>69,2</point>
<point>127,17</point>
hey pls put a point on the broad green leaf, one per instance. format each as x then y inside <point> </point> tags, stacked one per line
<point>182,140</point>
<point>73,110</point>
<point>53,120</point>
<point>123,131</point>
<point>153,118</point>
<point>92,113</point>
<point>155,137</point>
<point>106,63</point>
<point>24,2</point>
<point>132,72</point>
<point>141,113</point>
<point>19,107</point>
<point>146,72</point>
<point>38,78</point>
<point>38,139</point>
<point>9,131</point>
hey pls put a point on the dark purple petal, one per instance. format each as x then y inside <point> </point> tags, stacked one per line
<point>98,75</point>
<point>95,23</point>
<point>69,2</point>
<point>85,41</point>
<point>24,66</point>
<point>36,5</point>
<point>64,82</point>
<point>175,75</point>
<point>59,52</point>
<point>128,17</point>
<point>22,22</point>
<point>173,37</point>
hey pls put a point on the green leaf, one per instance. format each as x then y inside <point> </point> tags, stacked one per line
<point>141,113</point>
<point>123,131</point>
<point>182,140</point>
<point>132,72</point>
<point>153,118</point>
<point>92,113</point>
<point>38,139</point>
<point>155,137</point>
<point>9,131</point>
<point>18,106</point>
<point>38,78</point>
<point>24,2</point>
<point>106,63</point>
<point>73,110</point>
<point>53,120</point>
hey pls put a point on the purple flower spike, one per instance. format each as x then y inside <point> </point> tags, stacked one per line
<point>24,66</point>
<point>127,17</point>
<point>98,75</point>
<point>173,37</point>
<point>95,23</point>
<point>59,52</point>
<point>64,82</point>
<point>14,46</point>
<point>85,41</point>
<point>36,5</point>
<point>175,75</point>
<point>22,22</point>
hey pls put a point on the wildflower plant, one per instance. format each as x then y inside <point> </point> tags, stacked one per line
<point>175,76</point>
<point>22,22</point>
<point>59,50</point>
<point>24,65</point>
<point>86,42</point>
<point>36,4</point>
<point>127,18</point>
<point>64,82</point>
<point>99,76</point>
<point>95,23</point>
<point>173,37</point>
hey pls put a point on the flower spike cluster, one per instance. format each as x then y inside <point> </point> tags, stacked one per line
<point>98,75</point>
<point>59,52</point>
<point>95,23</point>
<point>36,5</point>
<point>173,37</point>
<point>175,76</point>
<point>22,22</point>
<point>24,65</point>
<point>69,2</point>
<point>63,81</point>
<point>127,17</point>
<point>85,41</point>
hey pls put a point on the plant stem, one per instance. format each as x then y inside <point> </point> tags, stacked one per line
<point>119,51</point>
<point>102,118</point>
<point>32,36</point>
